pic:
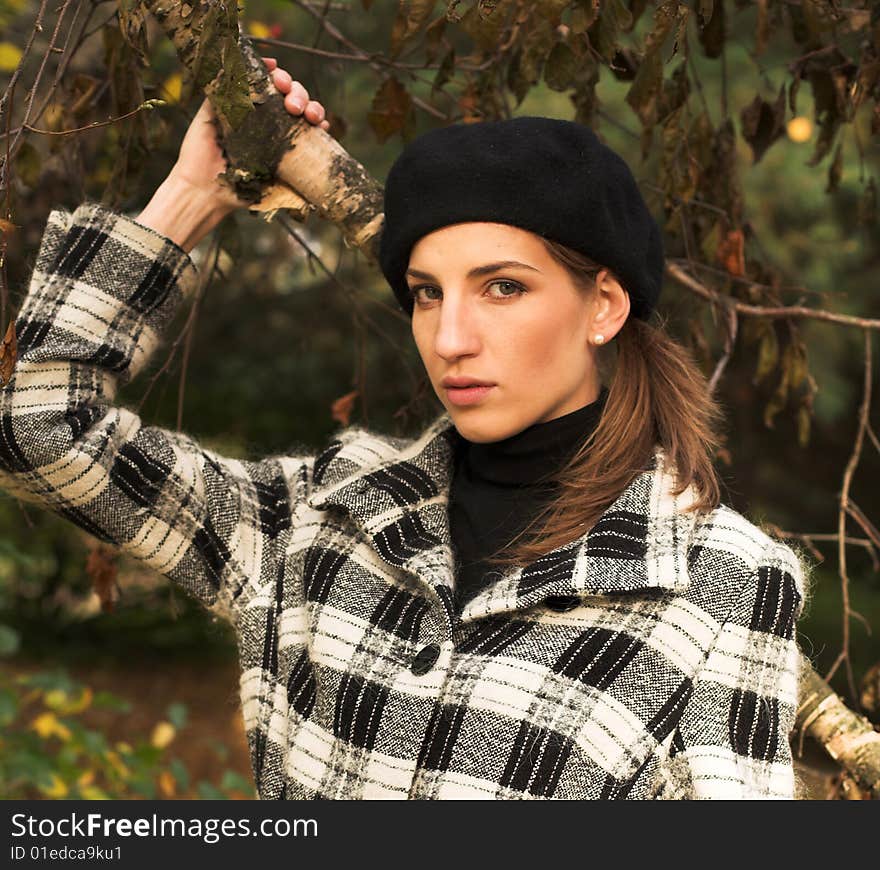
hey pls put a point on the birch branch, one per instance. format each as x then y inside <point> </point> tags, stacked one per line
<point>848,738</point>
<point>275,160</point>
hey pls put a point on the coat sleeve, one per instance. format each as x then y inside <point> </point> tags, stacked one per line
<point>102,290</point>
<point>733,738</point>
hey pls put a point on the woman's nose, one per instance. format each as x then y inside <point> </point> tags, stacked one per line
<point>456,332</point>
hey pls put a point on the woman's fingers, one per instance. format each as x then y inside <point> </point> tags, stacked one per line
<point>297,102</point>
<point>282,80</point>
<point>296,97</point>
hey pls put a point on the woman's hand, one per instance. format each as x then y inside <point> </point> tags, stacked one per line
<point>191,201</point>
<point>200,160</point>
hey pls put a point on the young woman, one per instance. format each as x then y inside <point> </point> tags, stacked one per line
<point>541,595</point>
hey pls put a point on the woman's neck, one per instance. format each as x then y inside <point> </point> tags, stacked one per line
<point>534,453</point>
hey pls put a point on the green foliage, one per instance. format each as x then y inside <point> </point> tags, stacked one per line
<point>49,751</point>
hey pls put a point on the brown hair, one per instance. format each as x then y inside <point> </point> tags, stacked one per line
<point>657,395</point>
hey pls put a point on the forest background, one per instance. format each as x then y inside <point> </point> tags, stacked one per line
<point>753,129</point>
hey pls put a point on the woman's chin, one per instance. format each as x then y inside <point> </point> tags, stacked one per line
<point>480,428</point>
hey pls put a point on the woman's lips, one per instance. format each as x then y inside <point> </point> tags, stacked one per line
<point>467,395</point>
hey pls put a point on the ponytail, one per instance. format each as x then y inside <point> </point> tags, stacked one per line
<point>657,396</point>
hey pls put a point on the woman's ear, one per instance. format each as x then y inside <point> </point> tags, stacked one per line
<point>611,306</point>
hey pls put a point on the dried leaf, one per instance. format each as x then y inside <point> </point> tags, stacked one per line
<point>680,170</point>
<point>763,123</point>
<point>392,110</point>
<point>525,68</point>
<point>8,353</point>
<point>102,568</point>
<point>803,426</point>
<point>583,15</point>
<point>485,28</point>
<point>411,17</point>
<point>445,72</point>
<point>768,351</point>
<point>614,18</point>
<point>648,83</point>
<point>731,253</point>
<point>777,402</point>
<point>561,67</point>
<point>712,34</point>
<point>341,409</point>
<point>584,96</point>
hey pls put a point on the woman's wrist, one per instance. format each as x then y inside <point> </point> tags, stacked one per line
<point>181,212</point>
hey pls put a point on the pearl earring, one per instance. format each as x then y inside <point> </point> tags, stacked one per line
<point>599,338</point>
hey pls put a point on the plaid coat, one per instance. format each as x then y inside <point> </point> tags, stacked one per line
<point>655,657</point>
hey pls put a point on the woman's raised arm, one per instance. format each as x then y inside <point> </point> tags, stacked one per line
<point>103,289</point>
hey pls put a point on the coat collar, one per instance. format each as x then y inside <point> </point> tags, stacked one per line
<point>397,490</point>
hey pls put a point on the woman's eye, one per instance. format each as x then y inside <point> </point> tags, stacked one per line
<point>415,293</point>
<point>513,288</point>
<point>425,293</point>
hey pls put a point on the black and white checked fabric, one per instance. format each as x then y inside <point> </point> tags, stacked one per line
<point>653,658</point>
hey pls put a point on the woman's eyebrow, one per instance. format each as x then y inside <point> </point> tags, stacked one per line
<point>477,271</point>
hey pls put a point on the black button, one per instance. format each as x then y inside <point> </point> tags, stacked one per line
<point>425,659</point>
<point>561,603</point>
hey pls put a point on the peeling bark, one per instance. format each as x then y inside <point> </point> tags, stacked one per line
<point>275,160</point>
<point>848,738</point>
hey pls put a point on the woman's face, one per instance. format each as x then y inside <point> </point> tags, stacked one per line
<point>525,330</point>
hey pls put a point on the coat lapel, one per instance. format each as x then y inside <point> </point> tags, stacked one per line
<point>397,491</point>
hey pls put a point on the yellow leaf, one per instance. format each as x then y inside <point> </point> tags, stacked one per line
<point>124,747</point>
<point>54,116</point>
<point>47,725</point>
<point>173,87</point>
<point>117,763</point>
<point>167,783</point>
<point>57,789</point>
<point>87,777</point>
<point>93,793</point>
<point>258,29</point>
<point>59,700</point>
<point>10,55</point>
<point>163,734</point>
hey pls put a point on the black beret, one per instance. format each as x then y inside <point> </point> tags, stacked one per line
<point>551,177</point>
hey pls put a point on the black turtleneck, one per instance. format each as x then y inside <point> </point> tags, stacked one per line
<point>497,491</point>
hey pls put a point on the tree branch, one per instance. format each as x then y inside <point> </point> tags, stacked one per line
<point>847,737</point>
